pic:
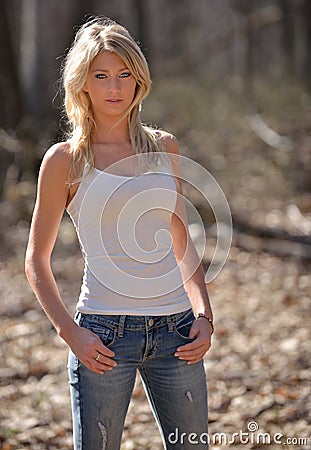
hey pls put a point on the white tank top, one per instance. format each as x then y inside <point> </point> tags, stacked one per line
<point>123,227</point>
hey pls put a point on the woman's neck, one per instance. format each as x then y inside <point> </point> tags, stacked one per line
<point>105,134</point>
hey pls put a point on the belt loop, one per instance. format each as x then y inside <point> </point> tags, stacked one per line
<point>121,326</point>
<point>170,324</point>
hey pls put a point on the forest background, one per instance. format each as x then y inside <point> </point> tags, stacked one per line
<point>232,80</point>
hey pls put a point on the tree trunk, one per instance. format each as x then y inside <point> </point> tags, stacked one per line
<point>306,13</point>
<point>288,35</point>
<point>10,98</point>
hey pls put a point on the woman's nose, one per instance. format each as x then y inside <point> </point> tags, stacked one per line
<point>114,85</point>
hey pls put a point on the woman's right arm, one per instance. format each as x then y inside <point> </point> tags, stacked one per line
<point>52,194</point>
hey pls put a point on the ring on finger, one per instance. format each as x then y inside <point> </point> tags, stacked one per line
<point>97,357</point>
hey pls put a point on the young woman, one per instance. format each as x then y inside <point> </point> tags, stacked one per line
<point>143,302</point>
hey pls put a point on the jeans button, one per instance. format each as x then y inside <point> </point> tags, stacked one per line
<point>150,322</point>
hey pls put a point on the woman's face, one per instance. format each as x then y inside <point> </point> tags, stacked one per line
<point>110,85</point>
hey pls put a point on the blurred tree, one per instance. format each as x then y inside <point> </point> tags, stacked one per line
<point>143,16</point>
<point>306,13</point>
<point>10,92</point>
<point>10,96</point>
<point>246,9</point>
<point>30,69</point>
<point>288,34</point>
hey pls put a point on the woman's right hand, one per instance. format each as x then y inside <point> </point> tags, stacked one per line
<point>87,346</point>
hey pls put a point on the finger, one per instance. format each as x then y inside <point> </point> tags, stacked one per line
<point>103,367</point>
<point>195,361</point>
<point>94,367</point>
<point>104,360</point>
<point>191,355</point>
<point>98,367</point>
<point>102,349</point>
<point>100,371</point>
<point>194,358</point>
<point>191,346</point>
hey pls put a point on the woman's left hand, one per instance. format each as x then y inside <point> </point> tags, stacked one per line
<point>193,352</point>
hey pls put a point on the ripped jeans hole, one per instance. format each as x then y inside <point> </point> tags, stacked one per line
<point>104,435</point>
<point>189,396</point>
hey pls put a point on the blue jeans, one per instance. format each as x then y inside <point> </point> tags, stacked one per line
<point>177,391</point>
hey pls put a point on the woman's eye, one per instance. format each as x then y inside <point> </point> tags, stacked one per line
<point>100,76</point>
<point>125,74</point>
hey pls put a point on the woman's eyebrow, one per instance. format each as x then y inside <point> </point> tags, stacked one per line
<point>97,69</point>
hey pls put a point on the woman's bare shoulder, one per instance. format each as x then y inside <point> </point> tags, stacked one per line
<point>58,154</point>
<point>167,141</point>
<point>56,163</point>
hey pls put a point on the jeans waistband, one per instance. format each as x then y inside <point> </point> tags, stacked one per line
<point>130,322</point>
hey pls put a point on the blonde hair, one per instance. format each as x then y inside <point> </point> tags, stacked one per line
<point>92,38</point>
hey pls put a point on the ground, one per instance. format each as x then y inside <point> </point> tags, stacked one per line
<point>258,368</point>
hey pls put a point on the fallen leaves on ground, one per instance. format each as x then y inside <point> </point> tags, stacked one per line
<point>258,369</point>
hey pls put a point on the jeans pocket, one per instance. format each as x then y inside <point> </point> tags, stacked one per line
<point>183,325</point>
<point>105,332</point>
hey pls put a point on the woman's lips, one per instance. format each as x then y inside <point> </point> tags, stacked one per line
<point>114,100</point>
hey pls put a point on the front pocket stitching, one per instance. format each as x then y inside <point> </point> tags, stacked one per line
<point>103,331</point>
<point>180,335</point>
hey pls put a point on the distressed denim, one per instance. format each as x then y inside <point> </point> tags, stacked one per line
<point>177,391</point>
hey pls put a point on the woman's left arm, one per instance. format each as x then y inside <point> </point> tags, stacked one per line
<point>191,269</point>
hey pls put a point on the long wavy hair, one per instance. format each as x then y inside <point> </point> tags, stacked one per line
<point>95,36</point>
